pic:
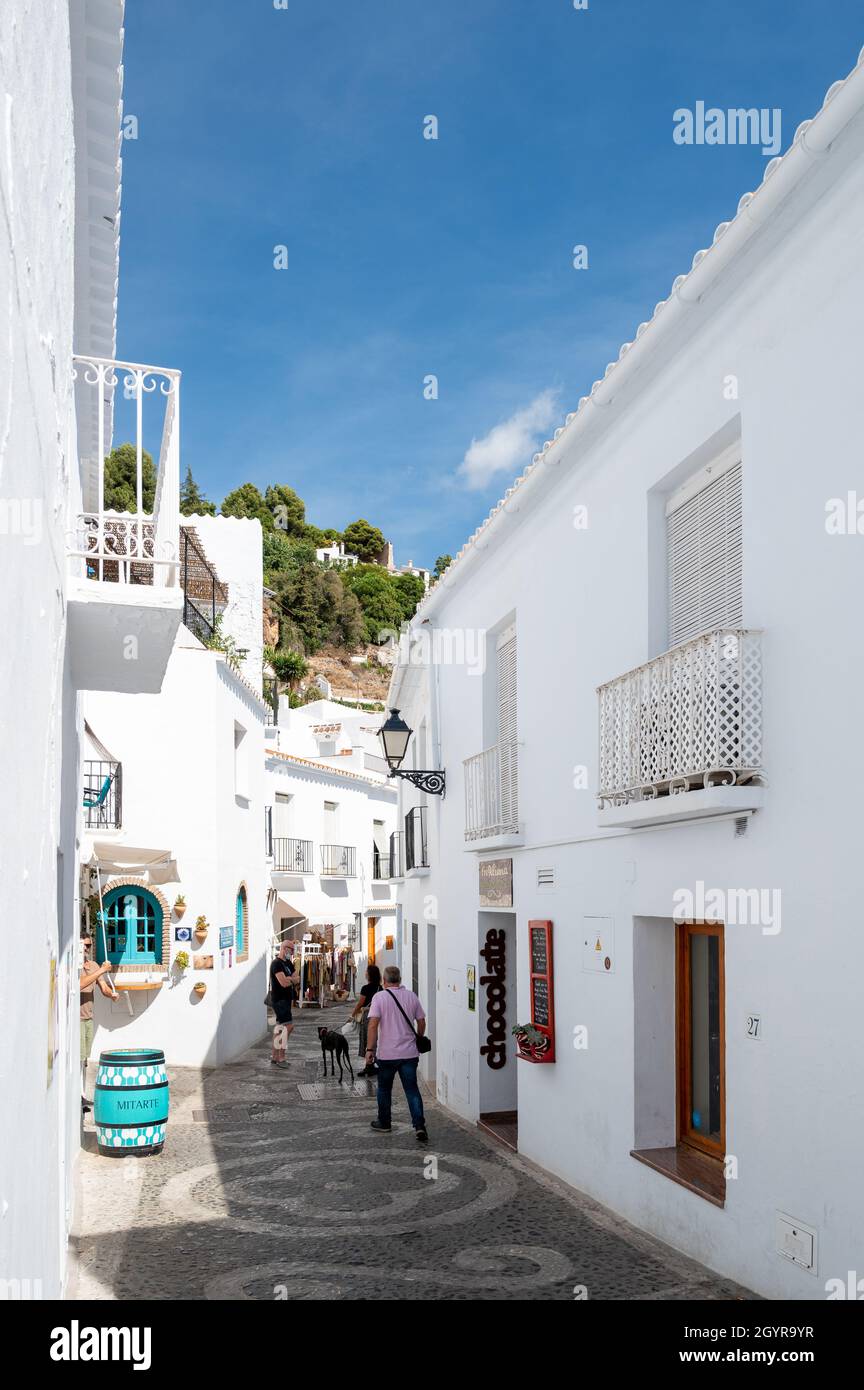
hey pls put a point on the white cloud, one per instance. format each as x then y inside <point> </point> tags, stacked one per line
<point>508,447</point>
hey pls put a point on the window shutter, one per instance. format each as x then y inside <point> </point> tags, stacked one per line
<point>506,654</point>
<point>703,532</point>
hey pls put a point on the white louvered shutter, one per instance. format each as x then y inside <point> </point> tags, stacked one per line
<point>703,535</point>
<point>506,660</point>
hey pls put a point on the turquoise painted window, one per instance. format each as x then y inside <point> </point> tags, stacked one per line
<point>131,928</point>
<point>240,923</point>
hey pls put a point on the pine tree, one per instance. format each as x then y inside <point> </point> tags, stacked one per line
<point>192,500</point>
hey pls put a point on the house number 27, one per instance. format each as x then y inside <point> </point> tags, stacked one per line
<point>754,1027</point>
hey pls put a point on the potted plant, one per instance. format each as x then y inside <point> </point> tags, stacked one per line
<point>181,960</point>
<point>179,906</point>
<point>201,928</point>
<point>531,1042</point>
<point>200,989</point>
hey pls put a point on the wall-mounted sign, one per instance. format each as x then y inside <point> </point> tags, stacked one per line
<point>182,933</point>
<point>494,982</point>
<point>754,1027</point>
<point>496,882</point>
<point>542,984</point>
<point>226,938</point>
<point>472,988</point>
<point>202,962</point>
<point>598,945</point>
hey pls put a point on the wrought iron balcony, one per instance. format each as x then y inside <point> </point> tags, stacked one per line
<point>689,720</point>
<point>380,864</point>
<point>292,856</point>
<point>492,792</point>
<point>397,867</point>
<point>416,850</point>
<point>338,861</point>
<point>103,794</point>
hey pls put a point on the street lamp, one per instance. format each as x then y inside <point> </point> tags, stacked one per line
<point>395,736</point>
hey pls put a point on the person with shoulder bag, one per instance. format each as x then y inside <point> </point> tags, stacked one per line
<point>397,1028</point>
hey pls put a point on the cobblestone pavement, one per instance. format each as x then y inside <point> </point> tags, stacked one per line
<point>261,1193</point>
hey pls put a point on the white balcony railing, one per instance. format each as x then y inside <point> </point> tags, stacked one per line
<point>690,718</point>
<point>492,793</point>
<point>140,546</point>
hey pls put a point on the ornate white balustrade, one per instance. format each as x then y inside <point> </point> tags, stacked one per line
<point>141,546</point>
<point>492,792</point>
<point>124,596</point>
<point>690,719</point>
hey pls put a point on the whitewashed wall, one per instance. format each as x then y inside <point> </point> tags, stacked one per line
<point>37,704</point>
<point>360,802</point>
<point>177,751</point>
<point>588,606</point>
<point>233,547</point>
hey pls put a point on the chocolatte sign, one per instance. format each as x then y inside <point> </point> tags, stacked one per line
<point>496,882</point>
<point>494,981</point>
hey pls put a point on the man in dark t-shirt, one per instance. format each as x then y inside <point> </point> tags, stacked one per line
<point>282,982</point>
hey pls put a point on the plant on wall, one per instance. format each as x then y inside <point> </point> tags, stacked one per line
<point>181,960</point>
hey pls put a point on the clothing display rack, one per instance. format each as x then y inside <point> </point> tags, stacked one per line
<point>314,975</point>
<point>344,970</point>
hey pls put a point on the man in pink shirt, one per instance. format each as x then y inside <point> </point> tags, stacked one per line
<point>392,1029</point>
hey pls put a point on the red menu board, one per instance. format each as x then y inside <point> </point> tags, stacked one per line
<point>542,984</point>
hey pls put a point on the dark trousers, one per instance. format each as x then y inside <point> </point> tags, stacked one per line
<point>407,1069</point>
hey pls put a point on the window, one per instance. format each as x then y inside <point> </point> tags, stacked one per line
<point>703,541</point>
<point>241,763</point>
<point>241,925</point>
<point>701,1062</point>
<point>506,677</point>
<point>131,928</point>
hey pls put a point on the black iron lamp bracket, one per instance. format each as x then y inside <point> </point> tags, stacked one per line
<point>431,782</point>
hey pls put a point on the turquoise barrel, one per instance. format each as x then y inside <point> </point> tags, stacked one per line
<point>130,1107</point>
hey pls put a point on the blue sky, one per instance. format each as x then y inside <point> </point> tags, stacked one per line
<point>409,257</point>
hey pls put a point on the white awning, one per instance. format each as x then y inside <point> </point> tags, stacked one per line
<point>112,859</point>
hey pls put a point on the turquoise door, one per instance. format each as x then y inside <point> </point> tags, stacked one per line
<point>131,928</point>
<point>240,922</point>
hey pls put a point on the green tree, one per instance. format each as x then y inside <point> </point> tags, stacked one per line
<point>363,540</point>
<point>288,666</point>
<point>409,589</point>
<point>121,468</point>
<point>192,500</point>
<point>378,597</point>
<point>247,501</point>
<point>277,554</point>
<point>440,565</point>
<point>287,509</point>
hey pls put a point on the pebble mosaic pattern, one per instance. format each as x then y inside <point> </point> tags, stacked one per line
<point>260,1193</point>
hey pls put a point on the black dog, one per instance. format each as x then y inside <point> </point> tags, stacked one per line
<point>337,1046</point>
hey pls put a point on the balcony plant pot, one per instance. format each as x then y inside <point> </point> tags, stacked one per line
<point>179,908</point>
<point>200,989</point>
<point>531,1043</point>
<point>202,926</point>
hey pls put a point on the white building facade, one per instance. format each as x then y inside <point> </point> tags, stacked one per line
<point>642,687</point>
<point>91,601</point>
<point>334,853</point>
<point>176,859</point>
